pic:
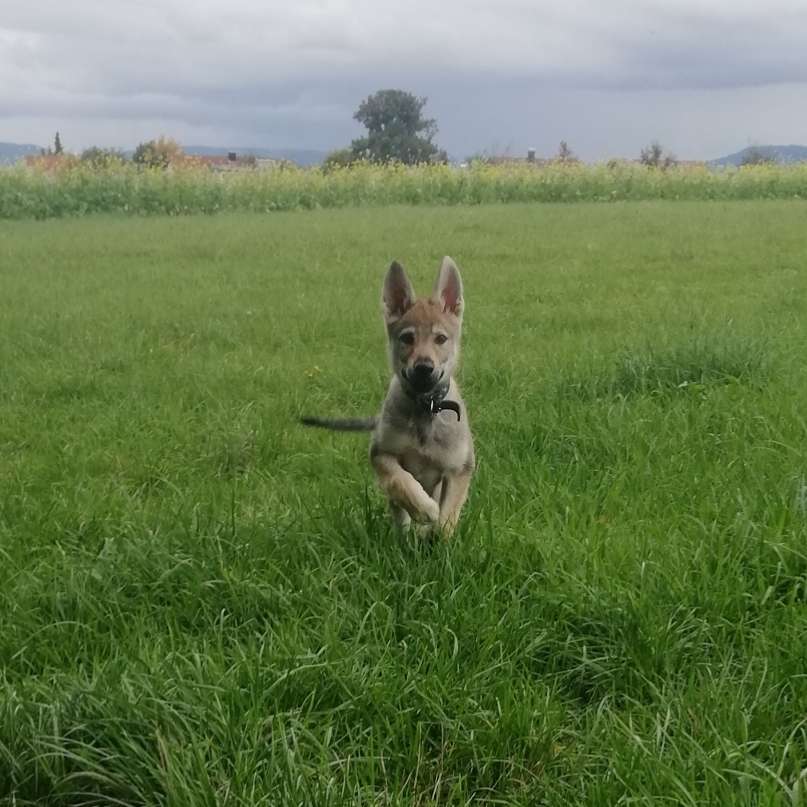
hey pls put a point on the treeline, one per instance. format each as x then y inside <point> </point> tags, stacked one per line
<point>160,152</point>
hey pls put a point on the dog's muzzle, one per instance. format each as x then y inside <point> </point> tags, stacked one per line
<point>422,377</point>
<point>432,398</point>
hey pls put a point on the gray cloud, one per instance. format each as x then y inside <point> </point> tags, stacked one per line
<point>704,76</point>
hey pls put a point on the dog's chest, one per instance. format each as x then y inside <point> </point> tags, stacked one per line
<point>431,447</point>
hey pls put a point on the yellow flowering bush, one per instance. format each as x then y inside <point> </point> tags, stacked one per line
<point>79,189</point>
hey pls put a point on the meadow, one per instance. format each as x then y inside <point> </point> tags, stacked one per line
<point>202,603</point>
<point>77,189</point>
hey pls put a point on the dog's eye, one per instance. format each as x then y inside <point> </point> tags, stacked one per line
<point>407,338</point>
<point>441,338</point>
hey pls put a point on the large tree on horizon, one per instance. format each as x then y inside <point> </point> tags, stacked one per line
<point>396,129</point>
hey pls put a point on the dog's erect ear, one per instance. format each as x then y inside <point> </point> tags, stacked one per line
<point>398,296</point>
<point>448,288</point>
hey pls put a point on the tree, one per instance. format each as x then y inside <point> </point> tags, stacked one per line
<point>158,153</point>
<point>756,156</point>
<point>57,145</point>
<point>396,129</point>
<point>99,157</point>
<point>655,157</point>
<point>565,154</point>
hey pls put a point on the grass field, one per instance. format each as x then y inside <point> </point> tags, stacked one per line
<point>201,603</point>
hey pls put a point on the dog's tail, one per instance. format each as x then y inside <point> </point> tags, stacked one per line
<point>341,424</point>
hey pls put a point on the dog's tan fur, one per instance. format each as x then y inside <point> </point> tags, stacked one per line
<point>423,462</point>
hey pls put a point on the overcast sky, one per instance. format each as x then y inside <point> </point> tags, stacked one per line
<point>705,77</point>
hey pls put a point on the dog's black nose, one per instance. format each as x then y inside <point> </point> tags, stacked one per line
<point>421,376</point>
<point>424,369</point>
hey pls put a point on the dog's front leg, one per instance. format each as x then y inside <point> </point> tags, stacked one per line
<point>403,490</point>
<point>400,518</point>
<point>454,493</point>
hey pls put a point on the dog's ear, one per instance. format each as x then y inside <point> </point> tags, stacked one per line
<point>398,295</point>
<point>448,288</point>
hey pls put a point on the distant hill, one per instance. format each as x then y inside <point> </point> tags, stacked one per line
<point>299,156</point>
<point>11,152</point>
<point>782,154</point>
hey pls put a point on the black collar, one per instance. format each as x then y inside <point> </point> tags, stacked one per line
<point>434,401</point>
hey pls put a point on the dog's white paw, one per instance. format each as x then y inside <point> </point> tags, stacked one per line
<point>430,513</point>
<point>425,532</point>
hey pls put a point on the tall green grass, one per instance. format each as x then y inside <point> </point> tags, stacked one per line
<point>79,190</point>
<point>201,603</point>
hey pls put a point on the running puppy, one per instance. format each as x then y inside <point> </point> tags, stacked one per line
<point>422,451</point>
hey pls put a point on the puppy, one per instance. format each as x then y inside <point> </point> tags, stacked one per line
<point>422,451</point>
